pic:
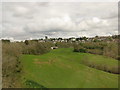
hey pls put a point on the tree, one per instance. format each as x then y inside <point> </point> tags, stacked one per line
<point>96,36</point>
<point>6,41</point>
<point>26,42</point>
<point>84,38</point>
<point>46,37</point>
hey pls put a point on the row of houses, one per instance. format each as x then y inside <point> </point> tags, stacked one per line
<point>73,39</point>
<point>81,39</point>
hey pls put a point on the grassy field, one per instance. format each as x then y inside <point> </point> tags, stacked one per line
<point>63,68</point>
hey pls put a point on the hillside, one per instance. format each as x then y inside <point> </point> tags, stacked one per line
<point>63,68</point>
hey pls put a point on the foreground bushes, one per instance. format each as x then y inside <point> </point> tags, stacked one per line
<point>37,48</point>
<point>33,84</point>
<point>101,66</point>
<point>95,51</point>
<point>11,66</point>
<point>111,50</point>
<point>100,48</point>
<point>79,49</point>
<point>10,63</point>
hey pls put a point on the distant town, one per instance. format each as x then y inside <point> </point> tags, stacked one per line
<point>107,39</point>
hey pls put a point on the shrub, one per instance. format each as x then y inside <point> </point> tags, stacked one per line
<point>10,59</point>
<point>103,67</point>
<point>64,44</point>
<point>79,49</point>
<point>95,51</point>
<point>101,48</point>
<point>111,50</point>
<point>10,63</point>
<point>33,84</point>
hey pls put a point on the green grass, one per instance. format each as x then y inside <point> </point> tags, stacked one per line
<point>63,68</point>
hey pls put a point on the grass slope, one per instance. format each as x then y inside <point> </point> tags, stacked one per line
<point>62,68</point>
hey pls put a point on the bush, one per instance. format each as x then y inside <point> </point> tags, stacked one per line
<point>111,50</point>
<point>10,59</point>
<point>92,45</point>
<point>79,49</point>
<point>37,48</point>
<point>95,51</point>
<point>101,48</point>
<point>10,63</point>
<point>33,84</point>
<point>103,67</point>
<point>64,44</point>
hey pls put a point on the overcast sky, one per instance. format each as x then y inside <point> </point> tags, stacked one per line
<point>36,20</point>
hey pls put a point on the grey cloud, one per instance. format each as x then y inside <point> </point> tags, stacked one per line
<point>112,15</point>
<point>25,20</point>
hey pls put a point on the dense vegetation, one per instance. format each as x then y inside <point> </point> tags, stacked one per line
<point>12,51</point>
<point>10,63</point>
<point>64,44</point>
<point>101,48</point>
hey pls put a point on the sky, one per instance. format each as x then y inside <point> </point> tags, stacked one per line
<point>23,20</point>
